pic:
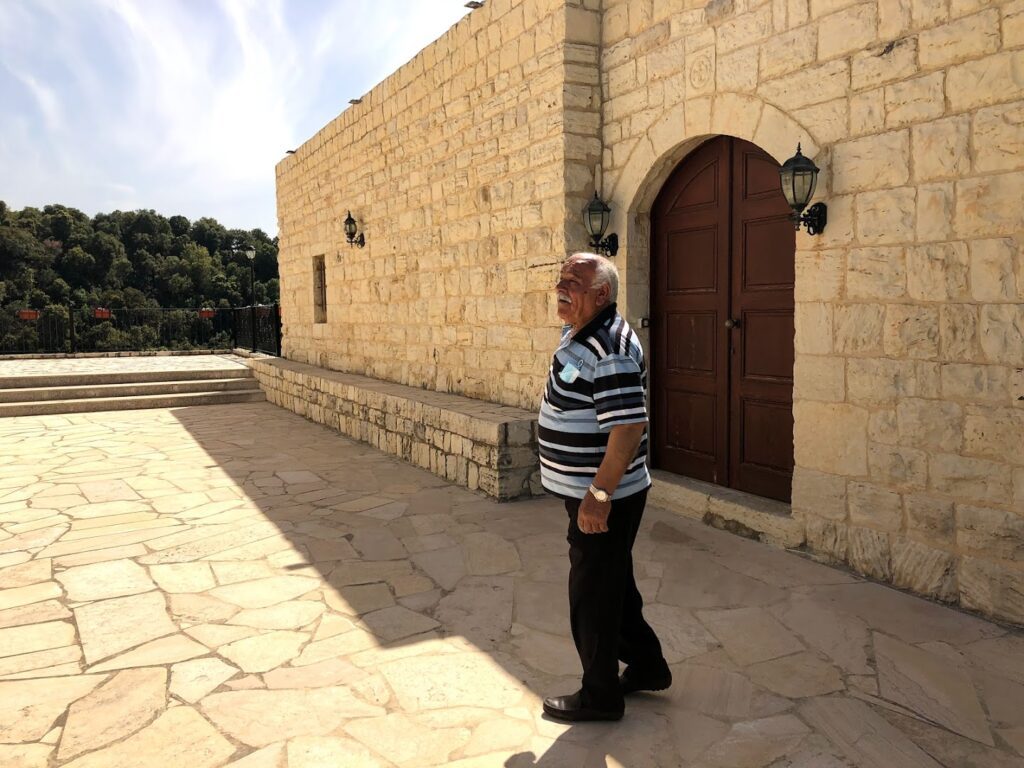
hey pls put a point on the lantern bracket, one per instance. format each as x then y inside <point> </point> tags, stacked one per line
<point>814,218</point>
<point>352,234</point>
<point>609,246</point>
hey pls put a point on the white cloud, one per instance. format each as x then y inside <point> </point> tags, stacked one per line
<point>186,107</point>
<point>44,97</point>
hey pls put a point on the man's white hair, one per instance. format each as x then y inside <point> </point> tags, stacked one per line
<point>605,272</point>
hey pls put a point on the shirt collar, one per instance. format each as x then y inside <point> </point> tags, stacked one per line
<point>600,319</point>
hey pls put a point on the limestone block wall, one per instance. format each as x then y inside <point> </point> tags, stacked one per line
<point>456,168</point>
<point>909,430</point>
<point>482,446</point>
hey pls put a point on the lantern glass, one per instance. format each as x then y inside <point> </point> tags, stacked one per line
<point>804,183</point>
<point>250,254</point>
<point>798,187</point>
<point>798,177</point>
<point>350,226</point>
<point>596,217</point>
<point>786,177</point>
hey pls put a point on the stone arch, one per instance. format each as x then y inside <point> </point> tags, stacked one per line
<point>730,114</point>
<point>680,130</point>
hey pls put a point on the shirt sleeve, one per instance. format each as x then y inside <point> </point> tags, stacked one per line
<point>619,396</point>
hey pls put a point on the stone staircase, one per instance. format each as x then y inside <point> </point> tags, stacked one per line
<point>38,395</point>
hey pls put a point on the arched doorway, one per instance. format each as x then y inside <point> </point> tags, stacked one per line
<point>722,272</point>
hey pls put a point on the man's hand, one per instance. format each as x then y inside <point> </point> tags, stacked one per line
<point>593,515</point>
<point>622,446</point>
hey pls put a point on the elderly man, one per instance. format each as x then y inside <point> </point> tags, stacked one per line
<point>593,447</point>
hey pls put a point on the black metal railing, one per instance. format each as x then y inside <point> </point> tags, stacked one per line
<point>119,330</point>
<point>258,328</point>
<point>31,331</point>
<point>98,329</point>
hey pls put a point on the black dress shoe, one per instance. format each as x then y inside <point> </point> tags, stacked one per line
<point>631,682</point>
<point>570,709</point>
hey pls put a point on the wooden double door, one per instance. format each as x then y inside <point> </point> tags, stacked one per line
<point>722,271</point>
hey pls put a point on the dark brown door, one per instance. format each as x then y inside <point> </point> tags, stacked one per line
<point>722,332</point>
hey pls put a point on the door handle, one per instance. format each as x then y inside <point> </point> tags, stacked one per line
<point>732,322</point>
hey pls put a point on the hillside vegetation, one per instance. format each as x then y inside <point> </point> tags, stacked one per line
<point>128,259</point>
<point>58,259</point>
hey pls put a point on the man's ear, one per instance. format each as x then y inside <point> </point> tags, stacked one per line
<point>603,295</point>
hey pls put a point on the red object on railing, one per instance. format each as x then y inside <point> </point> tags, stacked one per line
<point>206,313</point>
<point>101,313</point>
<point>28,314</point>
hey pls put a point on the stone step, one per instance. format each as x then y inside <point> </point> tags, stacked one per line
<point>120,377</point>
<point>134,389</point>
<point>94,404</point>
<point>742,513</point>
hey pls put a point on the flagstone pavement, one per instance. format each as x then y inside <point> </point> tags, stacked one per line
<point>234,585</point>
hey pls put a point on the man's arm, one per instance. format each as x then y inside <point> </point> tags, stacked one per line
<point>623,441</point>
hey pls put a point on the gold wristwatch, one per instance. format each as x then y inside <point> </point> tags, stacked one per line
<point>599,493</point>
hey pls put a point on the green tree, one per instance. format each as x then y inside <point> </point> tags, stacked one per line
<point>77,266</point>
<point>120,271</point>
<point>210,234</point>
<point>58,290</point>
<point>197,264</point>
<point>19,249</point>
<point>179,226</point>
<point>68,226</point>
<point>31,220</point>
<point>181,290</point>
<point>108,222</point>
<point>55,257</point>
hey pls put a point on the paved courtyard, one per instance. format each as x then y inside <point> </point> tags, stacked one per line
<point>233,585</point>
<point>64,366</point>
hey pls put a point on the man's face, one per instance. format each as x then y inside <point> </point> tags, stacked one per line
<point>578,300</point>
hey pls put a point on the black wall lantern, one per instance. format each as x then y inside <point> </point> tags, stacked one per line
<point>351,232</point>
<point>596,217</point>
<point>799,177</point>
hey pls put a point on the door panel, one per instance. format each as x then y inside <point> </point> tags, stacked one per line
<point>723,247</point>
<point>766,355</point>
<point>692,350</point>
<point>767,419</point>
<point>768,263</point>
<point>690,424</point>
<point>689,300</point>
<point>761,370</point>
<point>698,270</point>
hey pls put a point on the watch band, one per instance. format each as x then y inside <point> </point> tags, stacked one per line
<point>599,493</point>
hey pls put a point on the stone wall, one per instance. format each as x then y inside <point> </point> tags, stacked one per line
<point>482,446</point>
<point>468,167</point>
<point>456,168</point>
<point>909,321</point>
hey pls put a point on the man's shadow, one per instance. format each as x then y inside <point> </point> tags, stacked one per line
<point>325,522</point>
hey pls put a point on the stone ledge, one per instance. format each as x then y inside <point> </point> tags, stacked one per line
<point>483,446</point>
<point>742,513</point>
<point>119,353</point>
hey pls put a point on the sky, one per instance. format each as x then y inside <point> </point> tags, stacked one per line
<point>185,106</point>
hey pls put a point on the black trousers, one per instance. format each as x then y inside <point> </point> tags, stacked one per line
<point>605,606</point>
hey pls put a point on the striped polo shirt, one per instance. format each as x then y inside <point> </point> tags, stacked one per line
<point>597,380</point>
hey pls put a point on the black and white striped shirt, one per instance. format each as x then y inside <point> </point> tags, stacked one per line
<point>597,381</point>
